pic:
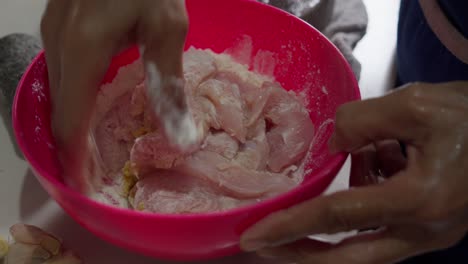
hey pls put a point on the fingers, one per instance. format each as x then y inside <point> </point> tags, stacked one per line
<point>375,162</point>
<point>51,31</point>
<point>358,208</point>
<point>163,32</point>
<point>390,157</point>
<point>91,34</point>
<point>163,44</point>
<point>80,39</point>
<point>364,167</point>
<point>165,57</point>
<point>381,247</point>
<point>84,60</point>
<point>401,115</point>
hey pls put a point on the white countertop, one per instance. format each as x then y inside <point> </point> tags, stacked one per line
<point>22,199</point>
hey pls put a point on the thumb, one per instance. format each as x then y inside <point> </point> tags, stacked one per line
<point>360,208</point>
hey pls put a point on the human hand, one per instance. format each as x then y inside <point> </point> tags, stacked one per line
<point>421,208</point>
<point>80,39</point>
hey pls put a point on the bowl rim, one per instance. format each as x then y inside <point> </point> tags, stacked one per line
<point>334,162</point>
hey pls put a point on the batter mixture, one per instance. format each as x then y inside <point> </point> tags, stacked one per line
<point>253,139</point>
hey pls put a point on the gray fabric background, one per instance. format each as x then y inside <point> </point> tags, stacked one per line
<point>16,53</point>
<point>344,22</point>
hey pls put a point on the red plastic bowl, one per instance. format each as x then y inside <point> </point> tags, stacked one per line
<point>307,62</point>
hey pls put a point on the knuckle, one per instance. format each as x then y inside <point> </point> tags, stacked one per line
<point>285,227</point>
<point>86,31</point>
<point>428,109</point>
<point>182,25</point>
<point>178,19</point>
<point>434,205</point>
<point>415,99</point>
<point>177,23</point>
<point>337,220</point>
<point>434,211</point>
<point>281,227</point>
<point>174,20</point>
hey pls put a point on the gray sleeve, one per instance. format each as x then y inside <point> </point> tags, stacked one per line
<point>344,22</point>
<point>16,53</point>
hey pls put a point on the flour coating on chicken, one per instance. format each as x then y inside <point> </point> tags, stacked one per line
<point>255,137</point>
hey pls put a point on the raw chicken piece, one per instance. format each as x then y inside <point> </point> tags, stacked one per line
<point>225,64</point>
<point>254,98</point>
<point>128,118</point>
<point>112,152</point>
<point>198,66</point>
<point>153,151</point>
<point>292,131</point>
<point>228,103</point>
<point>256,103</point>
<point>255,152</point>
<point>124,82</point>
<point>113,134</point>
<point>255,137</point>
<point>232,178</point>
<point>204,113</point>
<point>257,129</point>
<point>138,101</point>
<point>120,117</point>
<point>169,192</point>
<point>222,144</point>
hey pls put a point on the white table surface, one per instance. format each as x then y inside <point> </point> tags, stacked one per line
<point>22,199</point>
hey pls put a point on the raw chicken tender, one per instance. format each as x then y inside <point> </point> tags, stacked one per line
<point>170,192</point>
<point>221,143</point>
<point>255,139</point>
<point>233,178</point>
<point>153,151</point>
<point>292,130</point>
<point>228,106</point>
